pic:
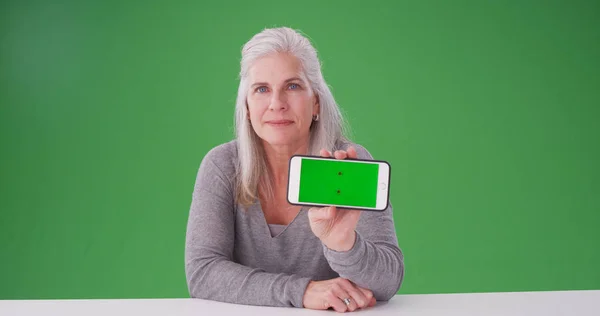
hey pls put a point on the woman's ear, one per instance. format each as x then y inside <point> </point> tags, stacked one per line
<point>317,105</point>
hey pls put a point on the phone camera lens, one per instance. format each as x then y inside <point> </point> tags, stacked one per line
<point>340,173</point>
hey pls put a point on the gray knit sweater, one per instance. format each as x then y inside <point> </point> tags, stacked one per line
<point>231,256</point>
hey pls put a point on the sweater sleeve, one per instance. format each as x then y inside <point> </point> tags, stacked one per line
<point>375,261</point>
<point>210,270</point>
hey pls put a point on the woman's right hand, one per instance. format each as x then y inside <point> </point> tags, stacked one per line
<point>330,293</point>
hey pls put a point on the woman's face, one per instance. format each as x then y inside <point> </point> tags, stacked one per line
<point>280,102</point>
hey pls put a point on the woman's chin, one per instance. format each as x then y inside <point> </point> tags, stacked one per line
<point>280,140</point>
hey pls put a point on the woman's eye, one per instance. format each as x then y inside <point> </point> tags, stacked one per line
<point>294,86</point>
<point>261,89</point>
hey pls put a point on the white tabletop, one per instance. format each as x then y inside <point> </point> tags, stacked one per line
<point>513,303</point>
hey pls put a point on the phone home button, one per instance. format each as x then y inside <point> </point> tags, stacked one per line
<point>382,185</point>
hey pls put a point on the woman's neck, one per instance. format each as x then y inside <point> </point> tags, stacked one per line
<point>278,158</point>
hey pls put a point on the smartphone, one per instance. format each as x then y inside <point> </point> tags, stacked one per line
<point>349,183</point>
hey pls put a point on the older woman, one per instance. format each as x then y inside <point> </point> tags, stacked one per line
<point>245,244</point>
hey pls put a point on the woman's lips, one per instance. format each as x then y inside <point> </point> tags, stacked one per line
<point>280,123</point>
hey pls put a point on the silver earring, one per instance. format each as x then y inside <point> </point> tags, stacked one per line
<point>316,117</point>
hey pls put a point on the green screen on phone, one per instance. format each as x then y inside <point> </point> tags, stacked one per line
<point>338,182</point>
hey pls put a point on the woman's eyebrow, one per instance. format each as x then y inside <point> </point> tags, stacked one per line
<point>286,81</point>
<point>293,79</point>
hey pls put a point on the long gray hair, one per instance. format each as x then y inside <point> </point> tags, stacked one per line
<point>326,133</point>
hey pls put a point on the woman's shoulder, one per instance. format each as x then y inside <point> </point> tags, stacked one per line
<point>222,157</point>
<point>217,171</point>
<point>227,149</point>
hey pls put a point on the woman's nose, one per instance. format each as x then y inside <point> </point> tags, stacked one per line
<point>278,101</point>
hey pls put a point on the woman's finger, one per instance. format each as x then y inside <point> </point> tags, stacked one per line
<point>325,153</point>
<point>332,300</point>
<point>357,295</point>
<point>343,294</point>
<point>340,154</point>
<point>321,213</point>
<point>371,301</point>
<point>352,152</point>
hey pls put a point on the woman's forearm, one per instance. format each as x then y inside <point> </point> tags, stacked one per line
<point>217,278</point>
<point>375,266</point>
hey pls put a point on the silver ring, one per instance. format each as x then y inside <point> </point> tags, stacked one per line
<point>346,301</point>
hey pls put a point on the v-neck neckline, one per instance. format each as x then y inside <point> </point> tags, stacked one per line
<point>266,225</point>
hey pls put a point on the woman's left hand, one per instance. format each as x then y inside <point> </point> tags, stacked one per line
<point>334,226</point>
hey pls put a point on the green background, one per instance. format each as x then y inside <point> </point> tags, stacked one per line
<point>338,182</point>
<point>487,111</point>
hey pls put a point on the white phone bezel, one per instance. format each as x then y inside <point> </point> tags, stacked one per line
<point>383,185</point>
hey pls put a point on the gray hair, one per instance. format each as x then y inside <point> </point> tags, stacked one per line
<point>326,133</point>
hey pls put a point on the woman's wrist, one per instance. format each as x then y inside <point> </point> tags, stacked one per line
<point>340,243</point>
